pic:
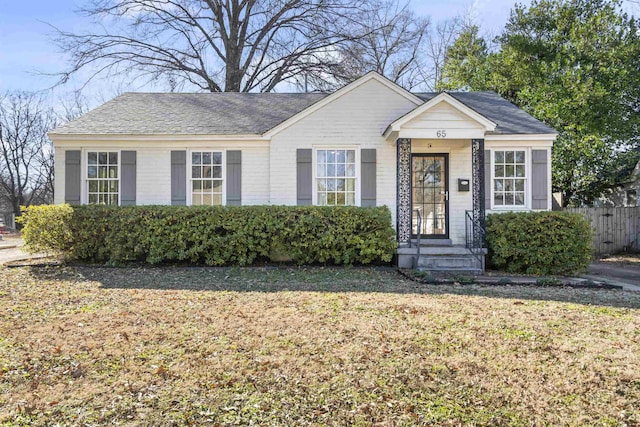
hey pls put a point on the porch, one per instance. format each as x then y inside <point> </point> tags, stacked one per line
<point>440,210</point>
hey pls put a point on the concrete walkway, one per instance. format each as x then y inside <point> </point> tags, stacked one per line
<point>11,250</point>
<point>625,275</point>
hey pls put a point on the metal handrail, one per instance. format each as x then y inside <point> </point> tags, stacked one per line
<point>473,229</point>
<point>418,234</point>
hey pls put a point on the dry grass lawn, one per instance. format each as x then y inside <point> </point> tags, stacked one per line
<point>200,346</point>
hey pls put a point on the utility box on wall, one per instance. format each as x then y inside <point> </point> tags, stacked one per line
<point>463,184</point>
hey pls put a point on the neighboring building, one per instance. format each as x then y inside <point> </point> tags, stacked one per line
<point>449,156</point>
<point>626,195</point>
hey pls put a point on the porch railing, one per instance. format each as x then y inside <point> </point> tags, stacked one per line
<point>474,236</point>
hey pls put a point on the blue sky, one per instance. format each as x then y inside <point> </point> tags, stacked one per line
<point>26,47</point>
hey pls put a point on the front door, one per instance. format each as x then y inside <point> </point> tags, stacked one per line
<point>430,195</point>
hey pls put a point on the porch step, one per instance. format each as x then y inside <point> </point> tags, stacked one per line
<point>441,258</point>
<point>432,242</point>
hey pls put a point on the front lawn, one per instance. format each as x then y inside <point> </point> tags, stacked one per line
<point>201,346</point>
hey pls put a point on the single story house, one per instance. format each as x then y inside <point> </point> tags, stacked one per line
<point>439,161</point>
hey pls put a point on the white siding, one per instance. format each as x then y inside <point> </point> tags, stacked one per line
<point>58,183</point>
<point>153,167</point>
<point>358,118</point>
<point>442,116</point>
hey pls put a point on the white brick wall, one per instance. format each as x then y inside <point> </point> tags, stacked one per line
<point>357,118</point>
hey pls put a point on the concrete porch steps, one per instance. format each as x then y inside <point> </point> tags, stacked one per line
<point>441,258</point>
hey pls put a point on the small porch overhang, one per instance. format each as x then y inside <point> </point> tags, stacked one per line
<point>443,117</point>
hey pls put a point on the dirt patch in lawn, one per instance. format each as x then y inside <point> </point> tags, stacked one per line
<point>201,346</point>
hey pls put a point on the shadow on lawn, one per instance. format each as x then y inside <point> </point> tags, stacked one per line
<point>316,279</point>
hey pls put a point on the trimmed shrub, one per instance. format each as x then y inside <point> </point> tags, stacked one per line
<point>542,243</point>
<point>216,235</point>
<point>46,228</point>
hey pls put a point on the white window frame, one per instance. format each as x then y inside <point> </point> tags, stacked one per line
<point>527,179</point>
<point>315,177</point>
<point>190,178</point>
<point>85,170</point>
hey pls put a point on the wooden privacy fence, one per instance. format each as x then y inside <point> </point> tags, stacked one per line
<point>615,229</point>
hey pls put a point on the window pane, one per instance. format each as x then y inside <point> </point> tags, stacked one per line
<point>92,172</point>
<point>93,198</point>
<point>499,156</point>
<point>195,158</point>
<point>195,172</point>
<point>113,186</point>
<point>519,184</point>
<point>102,171</point>
<point>102,158</point>
<point>113,158</point>
<point>351,199</point>
<point>351,170</point>
<point>331,185</point>
<point>508,198</point>
<point>508,185</point>
<point>351,184</point>
<point>340,199</point>
<point>340,170</point>
<point>351,156</point>
<point>93,186</point>
<point>206,158</point>
<point>322,156</point>
<point>498,184</point>
<point>520,199</point>
<point>322,199</point>
<point>341,156</point>
<point>196,199</point>
<point>113,200</point>
<point>321,170</point>
<point>207,171</point>
<point>508,171</point>
<point>509,157</point>
<point>331,170</point>
<point>93,158</point>
<point>217,171</point>
<point>217,186</point>
<point>331,199</point>
<point>113,171</point>
<point>217,158</point>
<point>206,185</point>
<point>340,185</point>
<point>102,186</point>
<point>217,199</point>
<point>499,170</point>
<point>519,156</point>
<point>206,199</point>
<point>197,185</point>
<point>498,199</point>
<point>520,170</point>
<point>322,185</point>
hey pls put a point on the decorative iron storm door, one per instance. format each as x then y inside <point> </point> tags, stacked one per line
<point>430,194</point>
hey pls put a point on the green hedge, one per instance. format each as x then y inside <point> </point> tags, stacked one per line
<point>242,235</point>
<point>539,242</point>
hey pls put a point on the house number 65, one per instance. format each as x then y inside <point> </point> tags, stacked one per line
<point>441,134</point>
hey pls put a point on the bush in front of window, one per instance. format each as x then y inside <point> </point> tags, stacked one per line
<point>541,243</point>
<point>214,235</point>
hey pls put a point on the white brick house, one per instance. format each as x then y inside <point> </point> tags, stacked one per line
<point>446,157</point>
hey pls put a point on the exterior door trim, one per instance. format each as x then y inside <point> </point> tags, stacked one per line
<point>446,201</point>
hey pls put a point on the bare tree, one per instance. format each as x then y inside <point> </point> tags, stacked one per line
<point>26,155</point>
<point>392,45</point>
<point>214,45</point>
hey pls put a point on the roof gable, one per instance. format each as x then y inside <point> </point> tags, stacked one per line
<point>344,91</point>
<point>441,105</point>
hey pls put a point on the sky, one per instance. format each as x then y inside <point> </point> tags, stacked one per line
<point>27,52</point>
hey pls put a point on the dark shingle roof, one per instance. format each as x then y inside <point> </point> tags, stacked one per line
<point>252,113</point>
<point>509,118</point>
<point>191,113</point>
